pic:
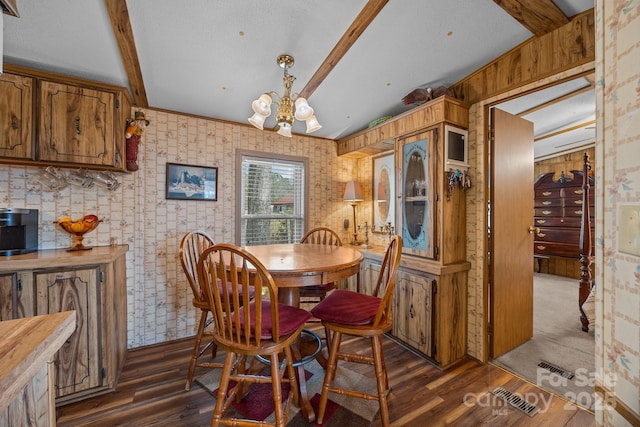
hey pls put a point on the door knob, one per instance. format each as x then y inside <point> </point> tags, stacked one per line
<point>533,229</point>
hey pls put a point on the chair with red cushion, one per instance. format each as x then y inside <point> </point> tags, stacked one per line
<point>263,328</point>
<point>319,236</point>
<point>191,246</point>
<point>345,312</point>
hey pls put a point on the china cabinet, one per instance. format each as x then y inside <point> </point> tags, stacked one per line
<point>93,284</point>
<point>430,300</point>
<point>62,121</point>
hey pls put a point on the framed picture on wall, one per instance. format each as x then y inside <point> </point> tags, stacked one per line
<point>383,192</point>
<point>191,182</point>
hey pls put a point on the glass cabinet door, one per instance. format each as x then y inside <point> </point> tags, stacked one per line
<point>416,190</point>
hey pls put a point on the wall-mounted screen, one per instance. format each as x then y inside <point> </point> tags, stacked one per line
<point>456,148</point>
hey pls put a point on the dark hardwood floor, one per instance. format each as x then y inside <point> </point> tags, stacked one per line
<point>151,392</point>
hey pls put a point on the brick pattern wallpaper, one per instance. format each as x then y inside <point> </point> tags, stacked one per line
<point>618,179</point>
<point>137,214</point>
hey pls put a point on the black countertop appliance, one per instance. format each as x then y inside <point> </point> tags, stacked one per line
<point>18,231</point>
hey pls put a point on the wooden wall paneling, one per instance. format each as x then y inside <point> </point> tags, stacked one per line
<point>566,47</point>
<point>379,138</point>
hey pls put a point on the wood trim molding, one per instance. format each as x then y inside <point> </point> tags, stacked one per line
<point>611,400</point>
<point>357,27</point>
<point>121,25</point>
<point>555,100</point>
<point>565,48</point>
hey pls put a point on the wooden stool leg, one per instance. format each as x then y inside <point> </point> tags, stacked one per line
<point>378,361</point>
<point>276,388</point>
<point>332,363</point>
<point>221,397</point>
<point>196,350</point>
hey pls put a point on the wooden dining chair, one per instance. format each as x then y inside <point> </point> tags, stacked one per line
<point>345,312</point>
<point>262,328</point>
<point>319,236</point>
<point>191,247</point>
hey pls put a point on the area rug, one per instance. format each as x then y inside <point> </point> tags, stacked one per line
<point>557,340</point>
<point>341,410</point>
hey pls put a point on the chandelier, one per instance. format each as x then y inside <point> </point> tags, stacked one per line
<point>290,107</point>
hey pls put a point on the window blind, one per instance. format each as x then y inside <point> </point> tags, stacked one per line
<point>272,201</point>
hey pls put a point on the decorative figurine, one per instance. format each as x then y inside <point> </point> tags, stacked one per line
<point>135,127</point>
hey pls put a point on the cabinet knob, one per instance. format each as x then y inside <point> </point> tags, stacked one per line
<point>546,202</point>
<point>76,124</point>
<point>411,311</point>
<point>546,193</point>
<point>533,229</point>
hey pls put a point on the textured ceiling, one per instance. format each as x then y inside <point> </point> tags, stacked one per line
<point>213,57</point>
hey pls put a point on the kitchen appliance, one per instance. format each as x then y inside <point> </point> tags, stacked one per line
<point>18,231</point>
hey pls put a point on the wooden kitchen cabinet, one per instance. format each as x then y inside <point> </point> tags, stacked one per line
<point>16,296</point>
<point>62,121</point>
<point>76,125</point>
<point>16,113</point>
<point>413,310</point>
<point>430,304</point>
<point>77,365</point>
<point>93,283</point>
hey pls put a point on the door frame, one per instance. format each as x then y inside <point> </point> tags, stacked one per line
<point>479,244</point>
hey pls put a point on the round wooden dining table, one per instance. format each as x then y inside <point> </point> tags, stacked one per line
<point>293,266</point>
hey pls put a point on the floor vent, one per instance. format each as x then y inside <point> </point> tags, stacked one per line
<point>516,401</point>
<point>556,370</point>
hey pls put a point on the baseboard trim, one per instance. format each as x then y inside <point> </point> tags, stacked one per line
<point>610,399</point>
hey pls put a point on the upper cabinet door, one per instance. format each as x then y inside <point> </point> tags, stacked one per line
<point>16,119</point>
<point>416,192</point>
<point>76,125</point>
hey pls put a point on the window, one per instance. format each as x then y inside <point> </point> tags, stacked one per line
<point>272,198</point>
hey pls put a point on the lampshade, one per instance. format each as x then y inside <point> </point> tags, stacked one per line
<point>303,110</point>
<point>290,107</point>
<point>257,120</point>
<point>353,192</point>
<point>312,124</point>
<point>262,105</point>
<point>285,130</point>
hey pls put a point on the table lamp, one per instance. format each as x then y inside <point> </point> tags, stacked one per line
<point>353,194</point>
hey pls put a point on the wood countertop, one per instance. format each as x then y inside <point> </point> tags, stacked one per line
<point>26,345</point>
<point>48,258</point>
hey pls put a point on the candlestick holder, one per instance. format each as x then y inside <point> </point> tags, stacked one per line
<point>366,228</point>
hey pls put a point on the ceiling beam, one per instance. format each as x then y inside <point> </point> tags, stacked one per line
<point>10,7</point>
<point>357,27</point>
<point>119,17</point>
<point>540,16</point>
